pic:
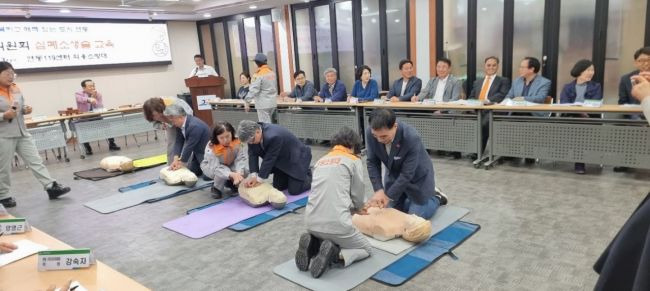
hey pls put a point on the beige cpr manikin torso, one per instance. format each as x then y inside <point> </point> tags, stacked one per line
<point>388,223</point>
<point>261,194</point>
<point>116,163</point>
<point>180,176</point>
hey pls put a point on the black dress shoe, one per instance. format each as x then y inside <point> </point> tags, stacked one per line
<point>113,147</point>
<point>328,254</point>
<point>234,191</point>
<point>216,193</point>
<point>88,150</point>
<point>308,247</point>
<point>57,190</point>
<point>8,202</point>
<point>620,169</point>
<point>580,168</point>
<point>442,198</point>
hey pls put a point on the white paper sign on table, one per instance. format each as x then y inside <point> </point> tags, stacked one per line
<point>25,249</point>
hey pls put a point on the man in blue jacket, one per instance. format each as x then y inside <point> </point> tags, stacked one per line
<point>333,89</point>
<point>530,85</point>
<point>409,185</point>
<point>283,155</point>
<point>191,139</point>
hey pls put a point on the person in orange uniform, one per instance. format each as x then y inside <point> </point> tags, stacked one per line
<point>15,139</point>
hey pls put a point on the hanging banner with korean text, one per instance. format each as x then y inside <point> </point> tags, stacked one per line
<point>39,45</point>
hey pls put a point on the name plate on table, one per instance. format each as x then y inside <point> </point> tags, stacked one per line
<point>592,103</point>
<point>473,102</point>
<point>377,101</point>
<point>14,225</point>
<point>354,100</point>
<point>65,259</point>
<point>429,101</point>
<point>328,100</point>
<point>203,101</point>
<point>519,101</point>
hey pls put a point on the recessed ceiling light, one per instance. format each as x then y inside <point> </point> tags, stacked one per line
<point>154,14</point>
<point>207,15</point>
<point>252,7</point>
<point>64,10</point>
<point>397,20</point>
<point>53,1</point>
<point>196,0</point>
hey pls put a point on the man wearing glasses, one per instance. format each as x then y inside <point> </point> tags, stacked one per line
<point>642,63</point>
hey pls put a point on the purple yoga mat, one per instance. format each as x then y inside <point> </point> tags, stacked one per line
<point>204,222</point>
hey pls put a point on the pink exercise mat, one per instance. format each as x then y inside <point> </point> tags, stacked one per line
<point>204,222</point>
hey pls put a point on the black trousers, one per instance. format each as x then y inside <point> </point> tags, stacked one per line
<point>111,141</point>
<point>282,181</point>
<point>625,263</point>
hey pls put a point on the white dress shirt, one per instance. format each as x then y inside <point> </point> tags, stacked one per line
<point>203,72</point>
<point>404,83</point>
<point>440,89</point>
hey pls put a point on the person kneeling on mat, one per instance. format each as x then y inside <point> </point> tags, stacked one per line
<point>337,191</point>
<point>283,155</point>
<point>191,138</point>
<point>225,160</point>
<point>408,184</point>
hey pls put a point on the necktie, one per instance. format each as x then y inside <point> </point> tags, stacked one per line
<point>486,85</point>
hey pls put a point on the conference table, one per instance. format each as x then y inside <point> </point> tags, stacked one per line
<point>24,275</point>
<point>51,132</point>
<point>310,120</point>
<point>456,127</point>
<point>612,141</point>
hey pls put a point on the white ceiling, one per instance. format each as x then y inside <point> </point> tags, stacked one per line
<point>137,9</point>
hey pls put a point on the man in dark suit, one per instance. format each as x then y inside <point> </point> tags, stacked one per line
<point>642,63</point>
<point>409,184</point>
<point>283,155</point>
<point>407,86</point>
<point>491,87</point>
<point>191,139</point>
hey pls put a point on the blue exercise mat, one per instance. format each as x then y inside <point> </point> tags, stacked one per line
<point>268,216</point>
<point>205,206</point>
<point>426,253</point>
<point>138,185</point>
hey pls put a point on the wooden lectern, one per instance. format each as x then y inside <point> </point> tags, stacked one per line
<point>210,85</point>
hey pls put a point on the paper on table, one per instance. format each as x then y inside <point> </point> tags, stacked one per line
<point>25,249</point>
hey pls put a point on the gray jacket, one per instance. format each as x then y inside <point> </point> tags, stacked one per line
<point>15,128</point>
<point>263,89</point>
<point>337,188</point>
<point>213,166</point>
<point>452,89</point>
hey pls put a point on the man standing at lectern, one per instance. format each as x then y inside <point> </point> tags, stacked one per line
<point>263,90</point>
<point>201,69</point>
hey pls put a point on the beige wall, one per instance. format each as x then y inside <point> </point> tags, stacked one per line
<point>51,91</point>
